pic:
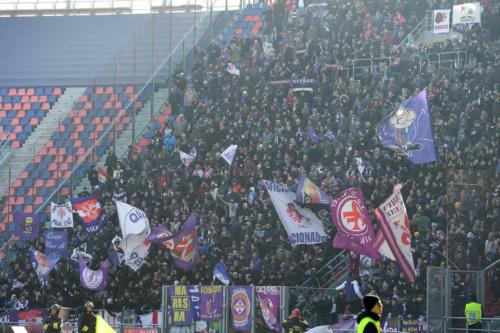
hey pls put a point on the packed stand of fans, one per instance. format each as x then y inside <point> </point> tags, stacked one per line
<point>269,123</point>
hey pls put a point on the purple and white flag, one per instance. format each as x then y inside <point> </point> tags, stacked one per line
<point>211,303</point>
<point>42,264</point>
<point>161,235</point>
<point>228,154</point>
<point>94,280</point>
<point>313,136</point>
<point>241,307</point>
<point>354,227</point>
<point>61,216</point>
<point>309,193</point>
<point>26,226</point>
<point>56,243</point>
<point>408,130</point>
<point>185,252</point>
<point>269,301</point>
<point>393,220</point>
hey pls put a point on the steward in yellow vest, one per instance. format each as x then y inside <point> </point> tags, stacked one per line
<point>474,314</point>
<point>369,319</point>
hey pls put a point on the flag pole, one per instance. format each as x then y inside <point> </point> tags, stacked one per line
<point>9,206</point>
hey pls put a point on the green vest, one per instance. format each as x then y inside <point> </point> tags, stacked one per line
<point>365,321</point>
<point>473,313</point>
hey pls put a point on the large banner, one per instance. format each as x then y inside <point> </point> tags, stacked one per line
<point>56,243</point>
<point>241,307</point>
<point>408,130</point>
<point>26,226</point>
<point>354,227</point>
<point>93,280</point>
<point>269,301</point>
<point>61,216</point>
<point>185,251</point>
<point>467,13</point>
<point>91,213</point>
<point>180,305</point>
<point>441,21</point>
<point>211,303</point>
<point>301,225</point>
<point>134,225</point>
<point>393,220</point>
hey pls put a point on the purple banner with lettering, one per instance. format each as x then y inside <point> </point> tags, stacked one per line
<point>26,226</point>
<point>269,300</point>
<point>354,227</point>
<point>180,306</point>
<point>56,243</point>
<point>211,303</point>
<point>241,307</point>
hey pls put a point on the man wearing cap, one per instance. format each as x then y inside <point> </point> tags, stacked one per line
<point>295,323</point>
<point>369,319</point>
<point>87,321</point>
<point>53,324</point>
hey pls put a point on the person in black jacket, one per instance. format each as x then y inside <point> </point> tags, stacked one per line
<point>53,324</point>
<point>369,319</point>
<point>87,321</point>
<point>295,323</point>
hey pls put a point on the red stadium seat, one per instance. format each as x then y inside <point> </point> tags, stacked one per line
<point>21,92</point>
<point>99,128</point>
<point>25,99</point>
<point>57,92</point>
<point>106,120</point>
<point>87,106</point>
<point>39,183</point>
<point>129,90</point>
<point>7,106</point>
<point>109,90</point>
<point>99,90</point>
<point>42,99</point>
<point>34,121</point>
<point>77,143</point>
<point>49,143</point>
<point>64,166</point>
<point>51,182</point>
<point>52,166</point>
<point>28,209</point>
<point>12,135</point>
<point>27,105</point>
<point>46,106</point>
<point>3,113</point>
<point>33,99</point>
<point>52,151</point>
<point>18,129</point>
<point>118,105</point>
<point>108,105</point>
<point>24,174</point>
<point>12,92</point>
<point>38,201</point>
<point>84,98</point>
<point>15,144</point>
<point>20,201</point>
<point>64,191</point>
<point>17,106</point>
<point>30,92</point>
<point>14,122</point>
<point>38,158</point>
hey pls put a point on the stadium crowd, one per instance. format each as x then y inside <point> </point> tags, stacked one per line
<point>270,124</point>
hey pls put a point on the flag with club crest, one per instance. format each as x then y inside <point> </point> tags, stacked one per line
<point>354,227</point>
<point>94,280</point>
<point>408,130</point>
<point>26,226</point>
<point>185,252</point>
<point>395,227</point>
<point>91,213</point>
<point>61,216</point>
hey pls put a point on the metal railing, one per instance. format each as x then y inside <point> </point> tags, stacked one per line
<point>459,324</point>
<point>335,269</point>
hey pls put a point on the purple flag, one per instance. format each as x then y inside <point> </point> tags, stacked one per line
<point>162,235</point>
<point>211,303</point>
<point>42,264</point>
<point>93,280</point>
<point>91,213</point>
<point>241,307</point>
<point>309,193</point>
<point>26,226</point>
<point>185,251</point>
<point>181,305</point>
<point>56,243</point>
<point>408,130</point>
<point>312,134</point>
<point>354,227</point>
<point>269,300</point>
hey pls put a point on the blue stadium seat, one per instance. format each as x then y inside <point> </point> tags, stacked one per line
<point>48,91</point>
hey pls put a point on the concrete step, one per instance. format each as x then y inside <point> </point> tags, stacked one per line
<point>24,155</point>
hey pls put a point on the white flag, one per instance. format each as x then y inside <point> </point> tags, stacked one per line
<point>441,21</point>
<point>301,225</point>
<point>228,154</point>
<point>61,216</point>
<point>134,225</point>
<point>186,158</point>
<point>467,13</point>
<point>393,220</point>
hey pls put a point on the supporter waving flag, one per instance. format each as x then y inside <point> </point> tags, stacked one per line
<point>301,225</point>
<point>94,280</point>
<point>393,219</point>
<point>134,225</point>
<point>228,154</point>
<point>186,158</point>
<point>309,193</point>
<point>408,130</point>
<point>42,264</point>
<point>354,227</point>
